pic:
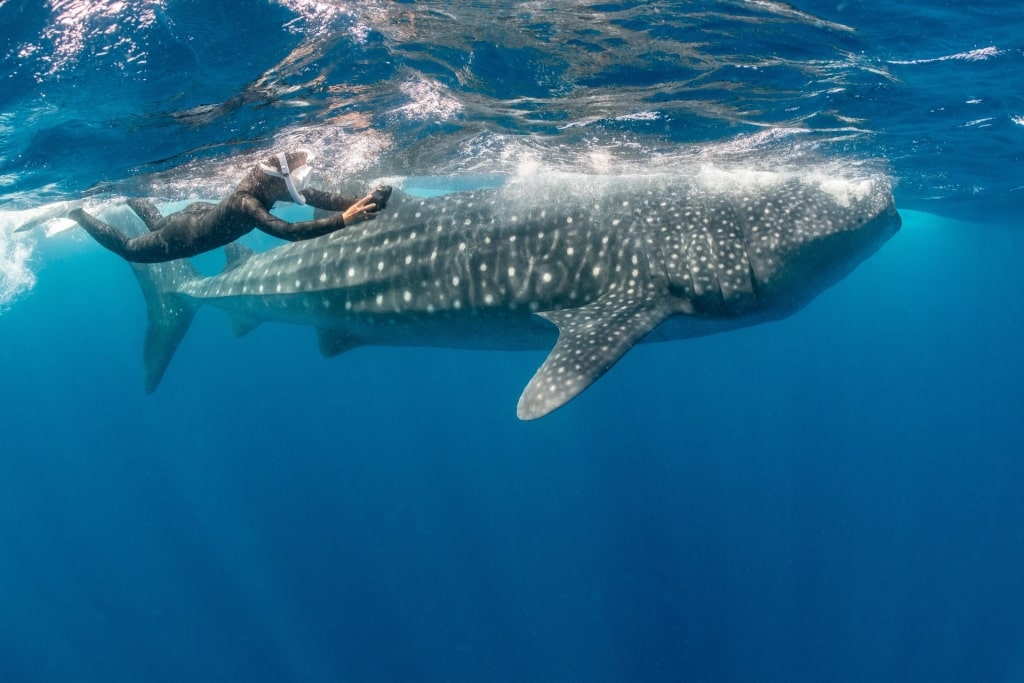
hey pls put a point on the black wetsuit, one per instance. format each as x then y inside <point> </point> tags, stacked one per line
<point>203,226</point>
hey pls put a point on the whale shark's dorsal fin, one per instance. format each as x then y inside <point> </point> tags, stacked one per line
<point>591,340</point>
<point>236,254</point>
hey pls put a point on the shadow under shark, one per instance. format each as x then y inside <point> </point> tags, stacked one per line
<point>589,264</point>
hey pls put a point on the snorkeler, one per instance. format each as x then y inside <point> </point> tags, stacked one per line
<point>203,226</point>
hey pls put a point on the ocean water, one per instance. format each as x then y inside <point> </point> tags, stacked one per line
<point>835,496</point>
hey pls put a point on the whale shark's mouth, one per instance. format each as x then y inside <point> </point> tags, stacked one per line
<point>825,261</point>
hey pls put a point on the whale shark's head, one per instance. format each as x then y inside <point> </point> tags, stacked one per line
<point>813,234</point>
<point>768,243</point>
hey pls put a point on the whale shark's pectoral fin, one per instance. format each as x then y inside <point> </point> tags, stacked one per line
<point>335,342</point>
<point>242,325</point>
<point>591,339</point>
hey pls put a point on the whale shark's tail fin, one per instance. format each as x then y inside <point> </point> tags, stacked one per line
<point>169,312</point>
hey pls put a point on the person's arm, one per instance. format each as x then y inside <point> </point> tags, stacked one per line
<point>327,200</point>
<point>282,229</point>
<point>304,230</point>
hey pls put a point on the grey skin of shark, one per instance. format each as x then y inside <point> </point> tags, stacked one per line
<point>590,265</point>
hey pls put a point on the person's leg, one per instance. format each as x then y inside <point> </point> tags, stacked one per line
<point>151,248</point>
<point>147,211</point>
<point>106,235</point>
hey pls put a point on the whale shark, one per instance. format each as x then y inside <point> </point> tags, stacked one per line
<point>587,266</point>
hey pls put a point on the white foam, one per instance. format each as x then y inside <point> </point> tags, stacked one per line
<point>428,100</point>
<point>972,56</point>
<point>845,191</point>
<point>16,277</point>
<point>722,178</point>
<point>18,243</point>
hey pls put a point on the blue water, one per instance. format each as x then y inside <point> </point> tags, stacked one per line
<point>832,497</point>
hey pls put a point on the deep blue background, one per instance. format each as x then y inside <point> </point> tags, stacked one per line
<point>832,497</point>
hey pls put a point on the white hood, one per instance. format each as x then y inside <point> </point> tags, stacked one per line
<point>297,179</point>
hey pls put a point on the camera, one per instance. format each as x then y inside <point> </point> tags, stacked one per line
<point>380,197</point>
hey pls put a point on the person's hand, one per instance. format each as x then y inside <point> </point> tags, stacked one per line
<point>363,210</point>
